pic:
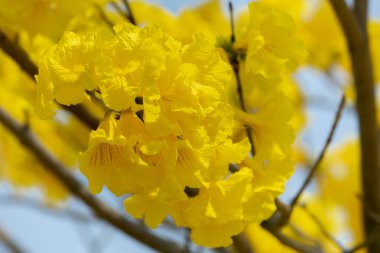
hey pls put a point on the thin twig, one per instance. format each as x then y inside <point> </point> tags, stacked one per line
<point>313,170</point>
<point>129,14</point>
<point>36,205</point>
<point>235,66</point>
<point>100,243</point>
<point>322,228</point>
<point>279,219</point>
<point>231,10</point>
<point>358,247</point>
<point>241,244</point>
<point>104,17</point>
<point>222,250</point>
<point>85,235</point>
<point>301,234</point>
<point>9,242</point>
<point>287,241</point>
<point>187,247</point>
<point>29,140</point>
<point>117,7</point>
<point>20,56</point>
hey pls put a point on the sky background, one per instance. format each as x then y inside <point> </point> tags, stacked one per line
<point>39,231</point>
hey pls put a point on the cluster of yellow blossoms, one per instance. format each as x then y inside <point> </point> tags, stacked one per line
<point>172,131</point>
<point>173,138</point>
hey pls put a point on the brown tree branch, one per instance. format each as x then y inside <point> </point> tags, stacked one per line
<point>323,229</point>
<point>290,242</point>
<point>103,16</point>
<point>124,13</point>
<point>129,14</point>
<point>101,210</point>
<point>241,244</point>
<point>279,219</point>
<point>313,170</point>
<point>361,13</point>
<point>358,247</point>
<point>117,8</point>
<point>366,208</point>
<point>83,115</point>
<point>9,242</point>
<point>19,55</point>
<point>39,206</point>
<point>298,231</point>
<point>235,66</point>
<point>232,23</point>
<point>347,20</point>
<point>354,25</point>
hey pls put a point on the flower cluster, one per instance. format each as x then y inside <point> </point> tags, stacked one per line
<point>167,137</point>
<point>173,138</point>
<point>170,136</point>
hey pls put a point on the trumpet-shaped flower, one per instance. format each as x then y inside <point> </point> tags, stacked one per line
<point>212,221</point>
<point>65,72</point>
<point>269,42</point>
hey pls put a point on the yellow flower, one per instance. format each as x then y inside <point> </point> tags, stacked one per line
<point>49,18</point>
<point>188,95</point>
<point>112,159</point>
<point>168,138</point>
<point>65,73</point>
<point>270,173</point>
<point>154,206</point>
<point>270,113</point>
<point>269,42</point>
<point>207,18</point>
<point>212,221</point>
<point>127,61</point>
<point>295,8</point>
<point>324,24</point>
<point>149,14</point>
<point>227,153</point>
